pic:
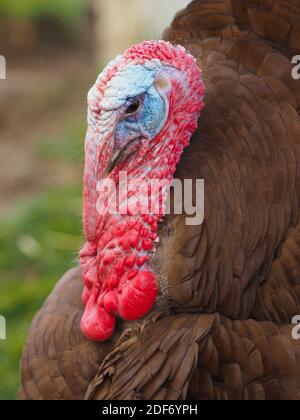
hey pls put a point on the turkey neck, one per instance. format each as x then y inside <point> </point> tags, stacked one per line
<point>125,240</point>
<point>119,280</point>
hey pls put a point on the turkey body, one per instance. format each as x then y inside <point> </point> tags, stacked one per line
<point>231,284</point>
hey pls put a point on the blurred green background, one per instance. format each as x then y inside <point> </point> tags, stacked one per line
<point>53,50</point>
<point>67,11</point>
<point>39,241</point>
<point>42,127</point>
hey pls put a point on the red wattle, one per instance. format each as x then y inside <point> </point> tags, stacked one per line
<point>138,296</point>
<point>97,324</point>
<point>115,261</point>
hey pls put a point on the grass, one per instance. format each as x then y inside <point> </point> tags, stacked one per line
<point>39,241</point>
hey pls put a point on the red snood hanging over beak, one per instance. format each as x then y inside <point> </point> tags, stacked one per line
<point>125,191</point>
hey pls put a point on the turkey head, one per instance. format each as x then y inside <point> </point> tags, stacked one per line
<point>142,111</point>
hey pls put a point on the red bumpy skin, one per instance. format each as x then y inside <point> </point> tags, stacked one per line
<point>115,265</point>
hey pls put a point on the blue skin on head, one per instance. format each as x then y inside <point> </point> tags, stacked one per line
<point>136,84</point>
<point>146,122</point>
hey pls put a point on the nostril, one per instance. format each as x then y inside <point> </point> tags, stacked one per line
<point>124,153</point>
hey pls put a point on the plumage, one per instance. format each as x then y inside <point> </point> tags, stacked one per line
<point>231,285</point>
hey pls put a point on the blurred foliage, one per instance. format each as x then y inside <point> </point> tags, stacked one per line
<point>68,147</point>
<point>39,241</point>
<point>37,246</point>
<point>69,12</point>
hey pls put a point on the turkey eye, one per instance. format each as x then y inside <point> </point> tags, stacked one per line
<point>133,107</point>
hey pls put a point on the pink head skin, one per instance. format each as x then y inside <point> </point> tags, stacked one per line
<point>143,109</point>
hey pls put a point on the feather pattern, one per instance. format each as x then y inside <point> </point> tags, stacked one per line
<point>232,283</point>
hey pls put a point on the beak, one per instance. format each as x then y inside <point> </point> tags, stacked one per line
<point>121,155</point>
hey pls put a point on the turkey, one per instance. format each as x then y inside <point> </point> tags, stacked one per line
<point>159,309</point>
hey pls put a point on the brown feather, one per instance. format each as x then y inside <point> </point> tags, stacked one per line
<point>241,265</point>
